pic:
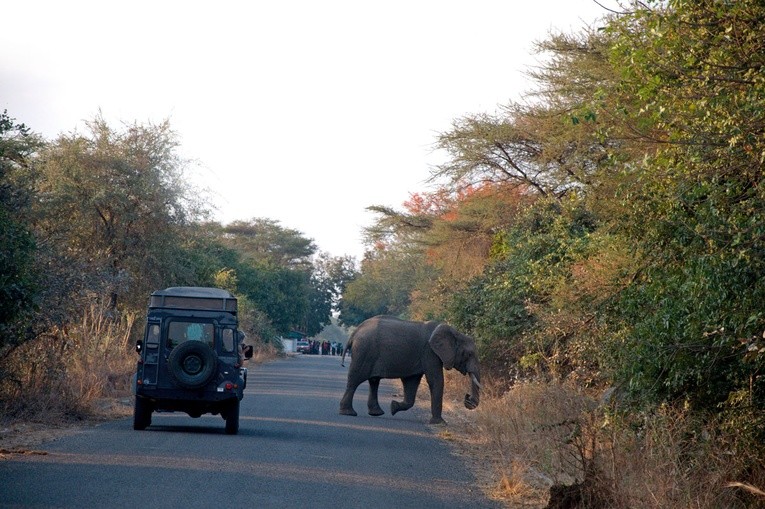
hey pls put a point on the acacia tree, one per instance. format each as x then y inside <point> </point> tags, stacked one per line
<point>550,145</point>
<point>277,274</point>
<point>449,235</point>
<point>109,208</point>
<point>499,149</point>
<point>265,242</point>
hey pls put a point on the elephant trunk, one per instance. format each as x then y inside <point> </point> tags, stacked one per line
<point>472,399</point>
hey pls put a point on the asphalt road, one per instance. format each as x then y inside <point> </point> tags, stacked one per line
<point>293,450</point>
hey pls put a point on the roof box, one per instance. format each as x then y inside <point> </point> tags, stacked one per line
<point>193,298</point>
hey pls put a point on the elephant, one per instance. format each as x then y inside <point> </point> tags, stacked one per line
<point>388,347</point>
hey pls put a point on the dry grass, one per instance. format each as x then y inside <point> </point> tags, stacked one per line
<point>63,374</point>
<point>72,373</point>
<point>512,485</point>
<point>264,352</point>
<point>499,476</point>
<point>539,435</point>
<point>72,377</point>
<point>671,459</point>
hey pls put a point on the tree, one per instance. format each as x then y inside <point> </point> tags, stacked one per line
<point>280,293</point>
<point>264,241</point>
<point>112,203</point>
<point>17,247</point>
<point>696,208</point>
<point>251,319</point>
<point>383,286</point>
<point>202,256</point>
<point>277,274</point>
<point>333,274</point>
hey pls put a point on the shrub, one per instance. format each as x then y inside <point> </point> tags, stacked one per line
<point>64,372</point>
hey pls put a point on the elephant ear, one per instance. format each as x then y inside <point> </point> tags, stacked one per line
<point>442,342</point>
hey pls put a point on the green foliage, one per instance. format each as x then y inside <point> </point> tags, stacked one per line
<point>18,292</point>
<point>532,258</point>
<point>113,204</point>
<point>685,325</point>
<point>384,287</point>
<point>696,206</point>
<point>16,278</point>
<point>202,257</point>
<point>276,273</point>
<point>640,264</point>
<point>333,274</point>
<point>697,67</point>
<point>329,278</point>
<point>115,220</point>
<point>265,242</point>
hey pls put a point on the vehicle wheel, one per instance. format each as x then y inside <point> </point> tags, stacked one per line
<point>192,364</point>
<point>141,413</point>
<point>232,418</point>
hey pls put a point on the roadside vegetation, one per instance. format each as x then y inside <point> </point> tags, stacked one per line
<point>90,224</point>
<point>602,238</point>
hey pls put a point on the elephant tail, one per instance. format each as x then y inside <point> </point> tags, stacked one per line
<point>346,349</point>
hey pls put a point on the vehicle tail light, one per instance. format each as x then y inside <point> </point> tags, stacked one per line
<point>229,386</point>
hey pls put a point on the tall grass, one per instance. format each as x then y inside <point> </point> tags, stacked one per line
<point>63,373</point>
<point>264,352</point>
<point>545,434</point>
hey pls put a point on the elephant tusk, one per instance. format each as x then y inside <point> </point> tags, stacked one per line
<point>475,380</point>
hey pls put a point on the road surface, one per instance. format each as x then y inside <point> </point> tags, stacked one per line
<point>293,450</point>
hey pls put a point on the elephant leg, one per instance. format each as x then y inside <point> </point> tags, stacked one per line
<point>346,403</point>
<point>411,384</point>
<point>436,384</point>
<point>372,403</point>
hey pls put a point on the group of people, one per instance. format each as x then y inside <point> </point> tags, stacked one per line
<point>324,347</point>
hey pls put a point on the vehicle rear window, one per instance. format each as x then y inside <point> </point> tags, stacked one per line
<point>227,336</point>
<point>152,336</point>
<point>180,331</point>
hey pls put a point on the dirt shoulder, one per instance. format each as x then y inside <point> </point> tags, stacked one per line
<point>508,485</point>
<point>24,436</point>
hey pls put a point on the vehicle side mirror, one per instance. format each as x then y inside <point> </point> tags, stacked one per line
<point>139,345</point>
<point>240,336</point>
<point>248,351</point>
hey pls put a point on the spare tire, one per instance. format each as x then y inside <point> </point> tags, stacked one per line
<point>192,364</point>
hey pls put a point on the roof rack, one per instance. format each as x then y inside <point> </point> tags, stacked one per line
<point>193,298</point>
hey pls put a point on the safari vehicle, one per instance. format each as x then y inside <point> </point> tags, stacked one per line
<point>191,356</point>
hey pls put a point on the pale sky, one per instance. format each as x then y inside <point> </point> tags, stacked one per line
<point>301,111</point>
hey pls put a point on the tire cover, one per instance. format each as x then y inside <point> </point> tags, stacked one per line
<point>192,364</point>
